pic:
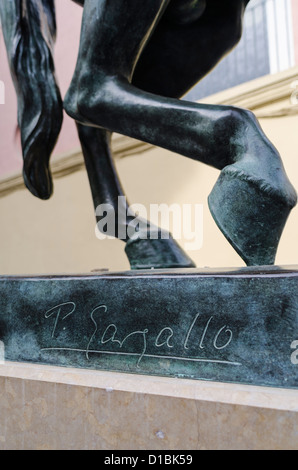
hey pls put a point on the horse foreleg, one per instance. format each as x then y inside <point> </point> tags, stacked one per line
<point>253,196</point>
<point>143,251</point>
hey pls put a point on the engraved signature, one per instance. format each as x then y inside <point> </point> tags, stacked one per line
<point>56,312</point>
<point>164,338</point>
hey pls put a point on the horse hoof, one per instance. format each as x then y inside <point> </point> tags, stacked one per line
<point>251,217</point>
<point>37,178</point>
<point>161,253</point>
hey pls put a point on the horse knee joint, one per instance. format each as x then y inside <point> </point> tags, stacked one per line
<point>230,122</point>
<point>99,99</point>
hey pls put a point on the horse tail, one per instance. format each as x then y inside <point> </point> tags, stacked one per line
<point>29,29</point>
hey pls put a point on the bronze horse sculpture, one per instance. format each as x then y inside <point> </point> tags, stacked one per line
<point>136,60</point>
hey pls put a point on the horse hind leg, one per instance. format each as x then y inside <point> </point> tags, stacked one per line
<point>143,251</point>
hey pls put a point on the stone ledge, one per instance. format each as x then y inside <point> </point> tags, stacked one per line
<point>243,395</point>
<point>45,407</point>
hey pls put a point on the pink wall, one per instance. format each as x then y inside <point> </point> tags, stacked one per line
<point>68,23</point>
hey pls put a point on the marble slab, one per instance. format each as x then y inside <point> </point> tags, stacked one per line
<point>56,408</point>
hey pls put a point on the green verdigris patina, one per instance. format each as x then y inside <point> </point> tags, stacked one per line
<point>231,326</point>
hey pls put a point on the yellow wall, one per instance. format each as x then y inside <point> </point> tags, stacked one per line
<point>58,236</point>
